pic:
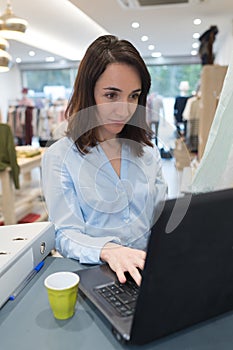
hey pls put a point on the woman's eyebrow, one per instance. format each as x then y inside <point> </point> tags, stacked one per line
<point>112,88</point>
<point>137,90</point>
<point>119,90</point>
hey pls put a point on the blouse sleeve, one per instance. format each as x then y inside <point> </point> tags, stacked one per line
<point>65,212</point>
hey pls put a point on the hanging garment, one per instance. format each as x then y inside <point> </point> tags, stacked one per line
<point>8,153</point>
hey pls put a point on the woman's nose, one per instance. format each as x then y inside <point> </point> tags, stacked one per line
<point>123,109</point>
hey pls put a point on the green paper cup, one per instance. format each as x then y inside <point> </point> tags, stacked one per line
<point>62,288</point>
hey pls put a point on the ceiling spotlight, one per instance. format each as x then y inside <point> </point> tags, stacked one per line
<point>195,45</point>
<point>50,59</point>
<point>18,60</point>
<point>135,25</point>
<point>151,47</point>
<point>9,22</point>
<point>5,61</point>
<point>31,53</point>
<point>197,21</point>
<point>156,54</point>
<point>144,38</point>
<point>196,35</point>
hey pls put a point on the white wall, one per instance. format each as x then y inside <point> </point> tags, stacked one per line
<point>10,89</point>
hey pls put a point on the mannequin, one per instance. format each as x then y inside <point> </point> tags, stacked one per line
<point>179,106</point>
<point>191,116</point>
<point>206,45</point>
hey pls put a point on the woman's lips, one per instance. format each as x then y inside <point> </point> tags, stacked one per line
<point>118,122</point>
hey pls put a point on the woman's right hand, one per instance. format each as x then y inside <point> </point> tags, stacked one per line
<point>124,259</point>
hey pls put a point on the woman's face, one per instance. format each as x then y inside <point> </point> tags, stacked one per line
<point>116,95</point>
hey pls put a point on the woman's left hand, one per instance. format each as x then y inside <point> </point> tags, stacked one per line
<point>124,259</point>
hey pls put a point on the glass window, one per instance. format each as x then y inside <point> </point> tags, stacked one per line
<point>165,79</point>
<point>49,83</point>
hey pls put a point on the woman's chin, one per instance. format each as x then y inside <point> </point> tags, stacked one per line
<point>112,129</point>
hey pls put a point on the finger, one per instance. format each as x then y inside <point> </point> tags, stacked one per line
<point>140,261</point>
<point>135,274</point>
<point>121,276</point>
<point>140,264</point>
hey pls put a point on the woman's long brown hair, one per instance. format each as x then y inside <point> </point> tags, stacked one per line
<point>82,121</point>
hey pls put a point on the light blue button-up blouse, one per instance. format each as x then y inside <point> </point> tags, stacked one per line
<point>90,205</point>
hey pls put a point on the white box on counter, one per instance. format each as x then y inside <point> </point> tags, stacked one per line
<point>22,248</point>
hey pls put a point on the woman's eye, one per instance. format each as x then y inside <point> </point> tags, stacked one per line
<point>135,96</point>
<point>111,95</point>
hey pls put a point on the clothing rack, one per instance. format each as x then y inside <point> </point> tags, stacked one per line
<point>51,119</point>
<point>22,122</point>
<point>42,122</point>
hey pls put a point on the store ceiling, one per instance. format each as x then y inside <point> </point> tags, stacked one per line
<point>59,27</point>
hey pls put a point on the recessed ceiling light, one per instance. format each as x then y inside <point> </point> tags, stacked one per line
<point>196,35</point>
<point>151,47</point>
<point>50,59</point>
<point>144,38</point>
<point>195,45</point>
<point>18,60</point>
<point>31,53</point>
<point>197,21</point>
<point>135,25</point>
<point>194,52</point>
<point>156,54</point>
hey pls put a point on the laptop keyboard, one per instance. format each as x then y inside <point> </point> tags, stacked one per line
<point>121,296</point>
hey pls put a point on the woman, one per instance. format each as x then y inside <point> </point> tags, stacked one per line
<point>103,180</point>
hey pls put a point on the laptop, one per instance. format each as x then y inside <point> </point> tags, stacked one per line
<point>188,273</point>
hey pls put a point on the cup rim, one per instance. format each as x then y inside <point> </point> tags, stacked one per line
<point>62,273</point>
